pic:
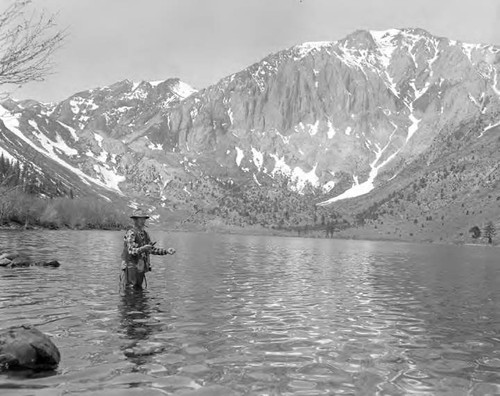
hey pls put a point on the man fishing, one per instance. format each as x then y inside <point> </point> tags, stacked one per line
<point>137,247</point>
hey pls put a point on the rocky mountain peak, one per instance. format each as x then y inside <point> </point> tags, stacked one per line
<point>360,39</point>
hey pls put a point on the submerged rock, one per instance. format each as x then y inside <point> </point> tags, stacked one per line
<point>4,262</point>
<point>42,263</point>
<point>25,347</point>
<point>14,259</point>
<point>149,348</point>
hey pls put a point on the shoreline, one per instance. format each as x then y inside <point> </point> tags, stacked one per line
<point>19,227</point>
<point>252,232</point>
<point>320,235</point>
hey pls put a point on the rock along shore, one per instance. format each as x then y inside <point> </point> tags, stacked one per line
<point>16,259</point>
<point>25,347</point>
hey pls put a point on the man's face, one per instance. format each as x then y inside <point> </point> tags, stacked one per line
<point>140,221</point>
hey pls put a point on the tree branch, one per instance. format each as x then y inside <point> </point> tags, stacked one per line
<point>27,44</point>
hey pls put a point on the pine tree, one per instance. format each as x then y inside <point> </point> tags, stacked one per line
<point>3,166</point>
<point>489,231</point>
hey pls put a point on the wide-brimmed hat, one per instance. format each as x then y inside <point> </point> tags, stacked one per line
<point>138,213</point>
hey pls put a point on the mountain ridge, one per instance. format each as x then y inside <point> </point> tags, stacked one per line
<point>328,120</point>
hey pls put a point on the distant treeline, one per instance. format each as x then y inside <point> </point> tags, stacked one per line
<point>270,204</point>
<point>32,200</point>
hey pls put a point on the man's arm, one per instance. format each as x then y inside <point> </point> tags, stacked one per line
<point>162,252</point>
<point>151,249</point>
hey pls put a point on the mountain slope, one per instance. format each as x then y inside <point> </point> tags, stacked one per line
<point>346,108</point>
<point>318,123</point>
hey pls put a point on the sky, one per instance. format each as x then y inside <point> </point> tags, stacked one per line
<point>202,41</point>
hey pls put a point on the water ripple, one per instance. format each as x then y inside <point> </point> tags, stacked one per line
<point>255,315</point>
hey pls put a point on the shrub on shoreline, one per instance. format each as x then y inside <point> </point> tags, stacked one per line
<point>61,212</point>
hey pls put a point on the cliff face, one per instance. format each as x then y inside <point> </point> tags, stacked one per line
<point>339,119</point>
<point>351,110</point>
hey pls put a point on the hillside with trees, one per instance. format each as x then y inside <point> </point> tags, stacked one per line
<point>31,199</point>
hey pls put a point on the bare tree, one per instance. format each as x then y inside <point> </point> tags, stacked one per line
<point>27,41</point>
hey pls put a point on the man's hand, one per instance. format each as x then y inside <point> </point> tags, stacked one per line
<point>170,250</point>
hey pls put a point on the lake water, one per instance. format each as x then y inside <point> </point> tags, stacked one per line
<point>246,315</point>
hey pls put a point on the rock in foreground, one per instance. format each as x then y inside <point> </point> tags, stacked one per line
<point>24,347</point>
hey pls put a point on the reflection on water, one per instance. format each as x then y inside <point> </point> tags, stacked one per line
<point>260,316</point>
<point>135,313</point>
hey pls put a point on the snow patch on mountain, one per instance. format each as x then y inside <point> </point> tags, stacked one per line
<point>303,49</point>
<point>139,93</point>
<point>286,139</point>
<point>186,190</point>
<point>331,130</point>
<point>82,105</point>
<point>301,178</point>
<point>356,190</point>
<point>280,165</point>
<point>467,49</point>
<point>328,186</point>
<point>239,155</point>
<point>193,113</point>
<point>153,146</point>
<point>258,158</point>
<point>297,175</point>
<point>49,108</point>
<point>50,145</point>
<point>494,85</point>
<point>71,130</point>
<point>357,58</point>
<point>430,62</point>
<point>256,181</point>
<point>385,45</point>
<point>98,138</point>
<point>7,155</point>
<point>109,176</point>
<point>489,127</point>
<point>419,91</point>
<point>103,156</point>
<point>183,90</point>
<point>414,124</point>
<point>473,100</point>
<point>155,83</point>
<point>312,129</point>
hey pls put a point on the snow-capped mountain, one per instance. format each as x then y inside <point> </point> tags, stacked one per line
<point>343,117</point>
<point>85,138</point>
<point>346,112</point>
